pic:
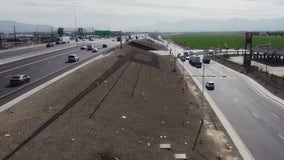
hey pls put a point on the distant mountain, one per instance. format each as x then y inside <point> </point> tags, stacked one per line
<point>235,24</point>
<point>6,26</point>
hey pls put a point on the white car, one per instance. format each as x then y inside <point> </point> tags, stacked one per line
<point>95,49</point>
<point>19,79</point>
<point>73,58</point>
<point>84,48</point>
<point>90,47</point>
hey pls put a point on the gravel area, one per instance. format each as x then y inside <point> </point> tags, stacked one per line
<point>121,107</point>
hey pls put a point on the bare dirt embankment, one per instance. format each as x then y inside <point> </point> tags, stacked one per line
<point>122,106</point>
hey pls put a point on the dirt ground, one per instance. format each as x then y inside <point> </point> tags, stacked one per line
<point>120,107</point>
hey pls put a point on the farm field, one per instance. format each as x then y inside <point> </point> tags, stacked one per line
<point>209,41</point>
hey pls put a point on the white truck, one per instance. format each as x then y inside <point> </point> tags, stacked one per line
<point>63,40</point>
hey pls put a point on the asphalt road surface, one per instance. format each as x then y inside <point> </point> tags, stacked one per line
<point>257,118</point>
<point>45,65</point>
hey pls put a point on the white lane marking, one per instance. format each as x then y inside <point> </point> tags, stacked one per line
<point>251,99</point>
<point>235,99</point>
<point>256,116</point>
<point>34,62</point>
<point>281,136</point>
<point>274,115</point>
<point>236,90</point>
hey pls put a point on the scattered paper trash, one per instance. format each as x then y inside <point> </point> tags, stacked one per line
<point>180,156</point>
<point>7,135</point>
<point>165,146</point>
<point>124,117</point>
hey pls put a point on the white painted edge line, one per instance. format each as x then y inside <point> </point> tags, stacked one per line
<point>242,148</point>
<point>33,91</point>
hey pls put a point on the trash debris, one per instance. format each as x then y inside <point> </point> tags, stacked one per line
<point>73,139</point>
<point>165,146</point>
<point>123,129</point>
<point>161,136</point>
<point>180,156</point>
<point>140,141</point>
<point>7,135</point>
<point>115,158</point>
<point>124,117</point>
<point>185,142</point>
<point>165,136</point>
<point>148,144</point>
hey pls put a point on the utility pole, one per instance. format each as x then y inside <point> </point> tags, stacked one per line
<point>0,41</point>
<point>120,39</point>
<point>75,19</point>
<point>37,37</point>
<point>15,37</point>
<point>51,34</point>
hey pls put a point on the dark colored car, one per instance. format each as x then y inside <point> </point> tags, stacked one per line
<point>19,79</point>
<point>50,44</point>
<point>210,85</point>
<point>73,58</point>
<point>182,58</point>
<point>104,46</point>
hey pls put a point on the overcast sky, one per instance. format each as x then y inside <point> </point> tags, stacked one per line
<point>123,14</point>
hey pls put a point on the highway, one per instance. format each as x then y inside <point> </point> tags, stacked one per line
<point>45,66</point>
<point>257,118</point>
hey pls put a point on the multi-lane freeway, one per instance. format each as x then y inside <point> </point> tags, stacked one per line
<point>43,64</point>
<point>255,114</point>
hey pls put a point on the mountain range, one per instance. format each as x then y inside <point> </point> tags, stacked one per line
<point>7,26</point>
<point>190,25</point>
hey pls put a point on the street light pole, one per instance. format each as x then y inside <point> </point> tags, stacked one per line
<point>266,59</point>
<point>75,20</point>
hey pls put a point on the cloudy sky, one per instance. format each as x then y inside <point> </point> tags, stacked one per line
<point>123,14</point>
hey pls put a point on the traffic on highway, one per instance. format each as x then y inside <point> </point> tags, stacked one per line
<point>42,64</point>
<point>256,115</point>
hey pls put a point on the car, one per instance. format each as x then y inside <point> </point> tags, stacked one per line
<point>50,44</point>
<point>104,46</point>
<point>73,58</point>
<point>19,79</point>
<point>84,48</point>
<point>95,49</point>
<point>90,47</point>
<point>182,58</point>
<point>210,85</point>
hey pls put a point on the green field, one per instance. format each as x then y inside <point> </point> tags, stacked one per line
<point>209,41</point>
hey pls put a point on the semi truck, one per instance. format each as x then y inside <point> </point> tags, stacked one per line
<point>195,61</point>
<point>63,40</point>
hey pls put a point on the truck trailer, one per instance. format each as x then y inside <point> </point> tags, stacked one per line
<point>63,40</point>
<point>195,61</point>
